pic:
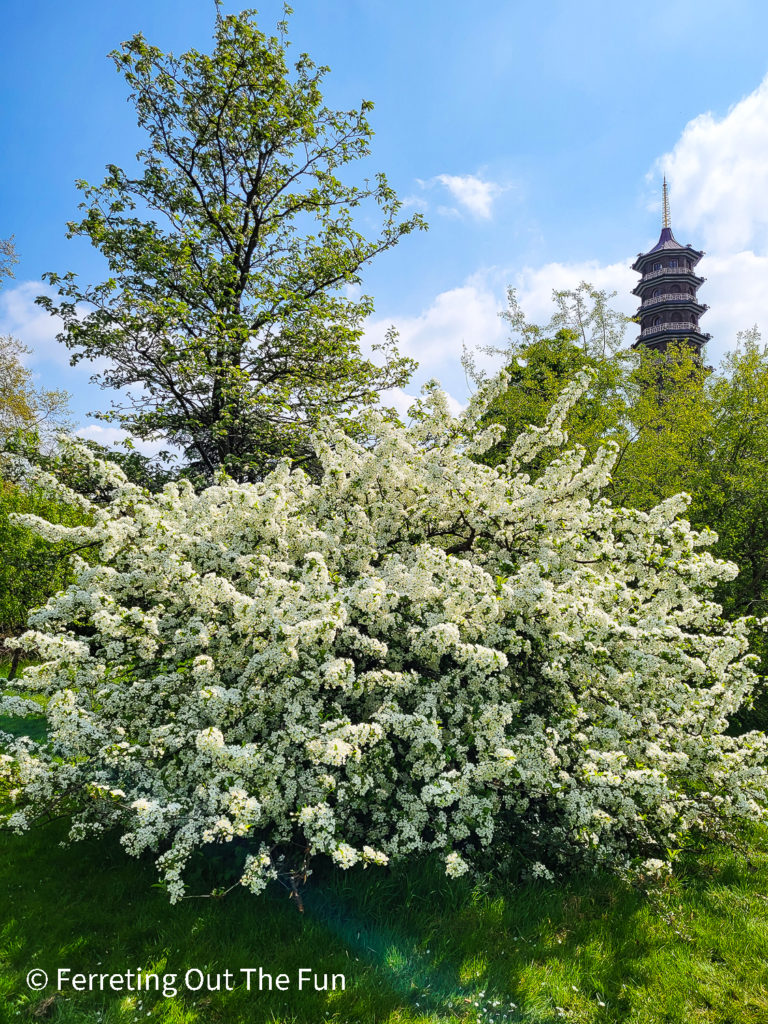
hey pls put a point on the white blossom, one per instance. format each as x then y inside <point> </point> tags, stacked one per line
<point>415,653</point>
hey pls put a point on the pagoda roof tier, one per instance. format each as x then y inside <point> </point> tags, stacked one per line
<point>688,302</point>
<point>667,243</point>
<point>669,275</point>
<point>659,346</point>
<point>652,337</point>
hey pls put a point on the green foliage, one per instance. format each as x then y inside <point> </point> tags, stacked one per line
<point>587,312</point>
<point>31,569</point>
<point>26,408</point>
<point>231,255</point>
<point>666,417</point>
<point>730,485</point>
<point>537,373</point>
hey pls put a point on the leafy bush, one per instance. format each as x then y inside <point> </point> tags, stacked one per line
<point>417,653</point>
<point>31,568</point>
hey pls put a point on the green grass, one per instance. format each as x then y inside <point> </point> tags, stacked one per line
<point>413,947</point>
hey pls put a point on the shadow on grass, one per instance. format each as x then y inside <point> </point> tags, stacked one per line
<point>412,945</point>
<point>591,948</point>
<point>90,908</point>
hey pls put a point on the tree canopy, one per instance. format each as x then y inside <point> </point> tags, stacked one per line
<point>230,313</point>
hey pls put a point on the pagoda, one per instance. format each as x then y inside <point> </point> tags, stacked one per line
<point>669,306</point>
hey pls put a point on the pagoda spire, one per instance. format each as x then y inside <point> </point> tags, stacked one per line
<point>665,193</point>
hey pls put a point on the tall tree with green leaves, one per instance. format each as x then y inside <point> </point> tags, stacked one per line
<point>230,313</point>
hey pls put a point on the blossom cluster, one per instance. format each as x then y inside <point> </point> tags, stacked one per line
<point>416,653</point>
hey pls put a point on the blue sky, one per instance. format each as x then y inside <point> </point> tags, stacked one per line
<point>533,137</point>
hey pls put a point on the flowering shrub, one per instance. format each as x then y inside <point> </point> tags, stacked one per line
<point>417,653</point>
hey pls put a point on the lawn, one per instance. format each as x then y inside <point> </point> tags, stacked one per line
<point>412,945</point>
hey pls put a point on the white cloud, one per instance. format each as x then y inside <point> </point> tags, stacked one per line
<point>48,358</point>
<point>402,402</point>
<point>114,436</point>
<point>399,399</point>
<point>473,193</point>
<point>718,176</point>
<point>104,435</point>
<point>29,323</point>
<point>465,315</point>
<point>449,211</point>
<point>736,293</point>
<point>417,202</point>
<point>37,329</point>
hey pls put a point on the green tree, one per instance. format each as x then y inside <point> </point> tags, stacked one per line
<point>666,419</point>
<point>730,478</point>
<point>233,255</point>
<point>26,407</point>
<point>541,360</point>
<point>587,312</point>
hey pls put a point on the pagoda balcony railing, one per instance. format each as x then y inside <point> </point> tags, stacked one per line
<point>669,326</point>
<point>666,270</point>
<point>669,297</point>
